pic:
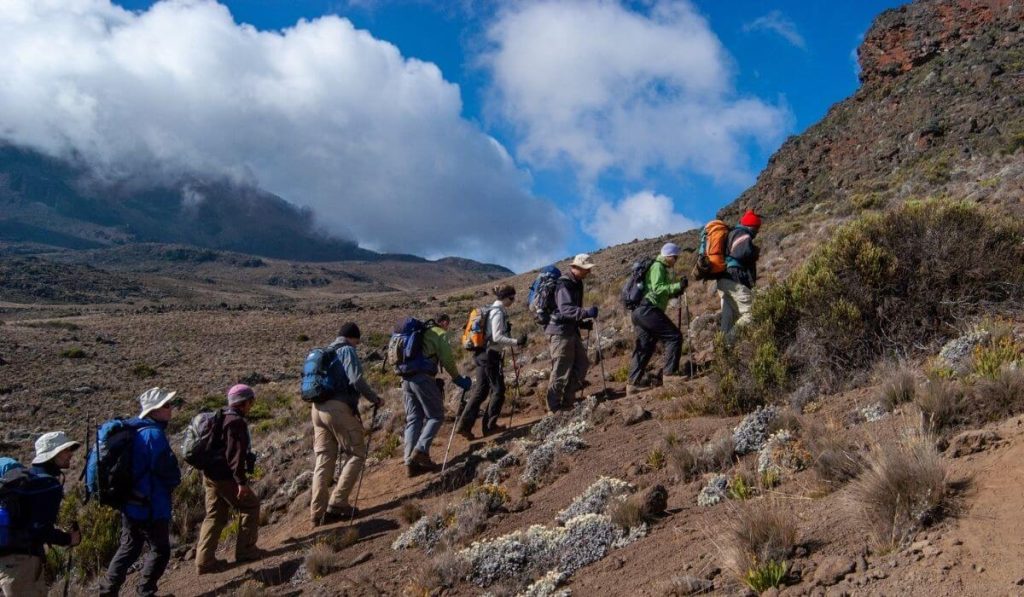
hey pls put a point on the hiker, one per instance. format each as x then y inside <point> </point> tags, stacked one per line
<point>423,395</point>
<point>147,518</point>
<point>337,428</point>
<point>652,324</point>
<point>490,373</point>
<point>569,360</point>
<point>33,521</point>
<point>226,481</point>
<point>735,287</point>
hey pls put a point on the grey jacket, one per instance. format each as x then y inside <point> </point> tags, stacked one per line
<point>569,311</point>
<point>347,358</point>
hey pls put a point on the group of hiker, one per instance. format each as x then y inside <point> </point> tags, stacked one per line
<point>132,467</point>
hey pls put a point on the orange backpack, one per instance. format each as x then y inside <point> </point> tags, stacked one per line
<point>711,254</point>
<point>474,336</point>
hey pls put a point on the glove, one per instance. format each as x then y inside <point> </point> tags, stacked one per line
<point>521,342</point>
<point>587,325</point>
<point>590,313</point>
<point>463,382</point>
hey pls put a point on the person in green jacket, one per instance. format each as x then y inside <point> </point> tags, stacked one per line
<point>424,398</point>
<point>652,324</point>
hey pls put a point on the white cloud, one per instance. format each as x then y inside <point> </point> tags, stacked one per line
<point>604,88</point>
<point>780,24</point>
<point>322,114</point>
<point>641,215</point>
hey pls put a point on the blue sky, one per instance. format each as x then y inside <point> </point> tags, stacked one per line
<point>613,119</point>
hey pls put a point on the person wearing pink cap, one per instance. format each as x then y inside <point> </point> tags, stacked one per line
<point>736,286</point>
<point>226,482</point>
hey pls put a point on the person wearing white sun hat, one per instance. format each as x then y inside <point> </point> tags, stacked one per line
<point>569,362</point>
<point>41,490</point>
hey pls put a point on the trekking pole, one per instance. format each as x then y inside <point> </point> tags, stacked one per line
<point>519,395</point>
<point>689,338</point>
<point>600,359</point>
<point>359,483</point>
<point>458,421</point>
<point>70,562</point>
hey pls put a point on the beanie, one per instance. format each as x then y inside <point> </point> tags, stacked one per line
<point>750,219</point>
<point>670,250</point>
<point>350,330</point>
<point>240,393</point>
<point>504,291</point>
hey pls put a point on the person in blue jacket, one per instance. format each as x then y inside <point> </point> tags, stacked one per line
<point>147,519</point>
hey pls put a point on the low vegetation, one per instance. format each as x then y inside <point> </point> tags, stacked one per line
<point>898,387</point>
<point>101,531</point>
<point>689,461</point>
<point>762,535</point>
<point>940,402</point>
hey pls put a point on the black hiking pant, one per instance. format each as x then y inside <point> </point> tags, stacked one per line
<point>134,535</point>
<point>490,381</point>
<point>653,326</point>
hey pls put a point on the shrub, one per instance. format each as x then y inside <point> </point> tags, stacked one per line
<point>902,489</point>
<point>761,537</point>
<point>410,512</point>
<point>872,289</point>
<point>101,531</point>
<point>740,488</point>
<point>74,353</point>
<point>143,371</point>
<point>990,358</point>
<point>835,460</point>
<point>656,459</point>
<point>320,560</point>
<point>189,505</point>
<point>1000,397</point>
<point>444,571</point>
<point>387,448</point>
<point>939,402</point>
<point>897,388</point>
<point>626,514</point>
<point>339,540</point>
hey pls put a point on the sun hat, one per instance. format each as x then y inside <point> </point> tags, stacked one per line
<point>154,398</point>
<point>582,261</point>
<point>240,393</point>
<point>670,250</point>
<point>50,444</point>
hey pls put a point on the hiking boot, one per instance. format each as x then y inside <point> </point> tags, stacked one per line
<point>212,567</point>
<point>495,429</point>
<point>423,462</point>
<point>466,433</point>
<point>632,389</point>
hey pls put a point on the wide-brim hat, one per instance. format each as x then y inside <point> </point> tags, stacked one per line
<point>50,444</point>
<point>154,398</point>
<point>583,261</point>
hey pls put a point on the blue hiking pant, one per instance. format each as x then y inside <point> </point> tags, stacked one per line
<point>424,411</point>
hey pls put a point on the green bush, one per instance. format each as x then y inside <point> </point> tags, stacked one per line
<point>189,503</point>
<point>887,284</point>
<point>74,353</point>
<point>101,531</point>
<point>143,371</point>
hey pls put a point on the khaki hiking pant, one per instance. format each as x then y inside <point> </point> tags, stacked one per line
<point>221,498</point>
<point>22,576</point>
<point>569,364</point>
<point>737,300</point>
<point>336,430</point>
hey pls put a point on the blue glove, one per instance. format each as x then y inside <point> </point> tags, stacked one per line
<point>463,382</point>
<point>590,313</point>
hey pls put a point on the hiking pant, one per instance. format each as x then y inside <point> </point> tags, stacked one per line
<point>736,302</point>
<point>424,411</point>
<point>134,535</point>
<point>221,497</point>
<point>21,575</point>
<point>653,326</point>
<point>336,431</point>
<point>490,381</point>
<point>569,365</point>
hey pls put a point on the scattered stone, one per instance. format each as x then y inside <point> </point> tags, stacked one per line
<point>359,559</point>
<point>654,500</point>
<point>862,564</point>
<point>833,569</point>
<point>683,585</point>
<point>750,435</point>
<point>635,415</point>
<point>714,492</point>
<point>872,413</point>
<point>254,379</point>
<point>958,353</point>
<point>972,442</point>
<point>298,485</point>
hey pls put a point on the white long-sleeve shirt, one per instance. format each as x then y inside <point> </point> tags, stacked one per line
<point>498,322</point>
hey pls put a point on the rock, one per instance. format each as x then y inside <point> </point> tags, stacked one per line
<point>971,442</point>
<point>359,559</point>
<point>654,500</point>
<point>862,564</point>
<point>299,484</point>
<point>832,569</point>
<point>714,492</point>
<point>752,432</point>
<point>635,415</point>
<point>772,592</point>
<point>685,584</point>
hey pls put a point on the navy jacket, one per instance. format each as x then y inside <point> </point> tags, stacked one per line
<point>154,470</point>
<point>569,311</point>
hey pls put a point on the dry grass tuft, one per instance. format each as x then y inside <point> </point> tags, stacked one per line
<point>684,585</point>
<point>760,537</point>
<point>902,489</point>
<point>341,539</point>
<point>689,461</point>
<point>940,402</point>
<point>999,397</point>
<point>898,388</point>
<point>444,571</point>
<point>410,512</point>
<point>836,459</point>
<point>627,514</point>
<point>251,588</point>
<point>320,560</point>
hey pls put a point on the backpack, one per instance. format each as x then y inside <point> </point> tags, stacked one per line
<point>199,447</point>
<point>474,337</point>
<point>317,384</point>
<point>711,254</point>
<point>406,349</point>
<point>108,468</point>
<point>19,489</point>
<point>635,288</point>
<point>541,300</point>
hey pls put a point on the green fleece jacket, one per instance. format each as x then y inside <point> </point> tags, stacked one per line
<point>436,346</point>
<point>661,284</point>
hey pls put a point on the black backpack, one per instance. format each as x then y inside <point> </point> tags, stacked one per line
<point>541,301</point>
<point>202,445</point>
<point>635,288</point>
<point>19,489</point>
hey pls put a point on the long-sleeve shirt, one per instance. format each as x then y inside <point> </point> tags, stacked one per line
<point>347,360</point>
<point>661,284</point>
<point>155,472</point>
<point>741,256</point>
<point>236,444</point>
<point>46,494</point>
<point>436,346</point>
<point>497,321</point>
<point>569,311</point>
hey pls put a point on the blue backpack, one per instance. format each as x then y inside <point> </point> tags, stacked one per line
<point>318,385</point>
<point>541,300</point>
<point>406,349</point>
<point>19,488</point>
<point>108,469</point>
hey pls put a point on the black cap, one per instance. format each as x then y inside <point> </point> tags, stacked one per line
<point>349,330</point>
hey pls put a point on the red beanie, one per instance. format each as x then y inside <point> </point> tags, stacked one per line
<point>750,219</point>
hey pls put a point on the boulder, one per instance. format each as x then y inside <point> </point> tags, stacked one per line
<point>654,500</point>
<point>833,569</point>
<point>971,442</point>
<point>635,415</point>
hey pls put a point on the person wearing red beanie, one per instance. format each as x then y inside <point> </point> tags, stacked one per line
<point>736,286</point>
